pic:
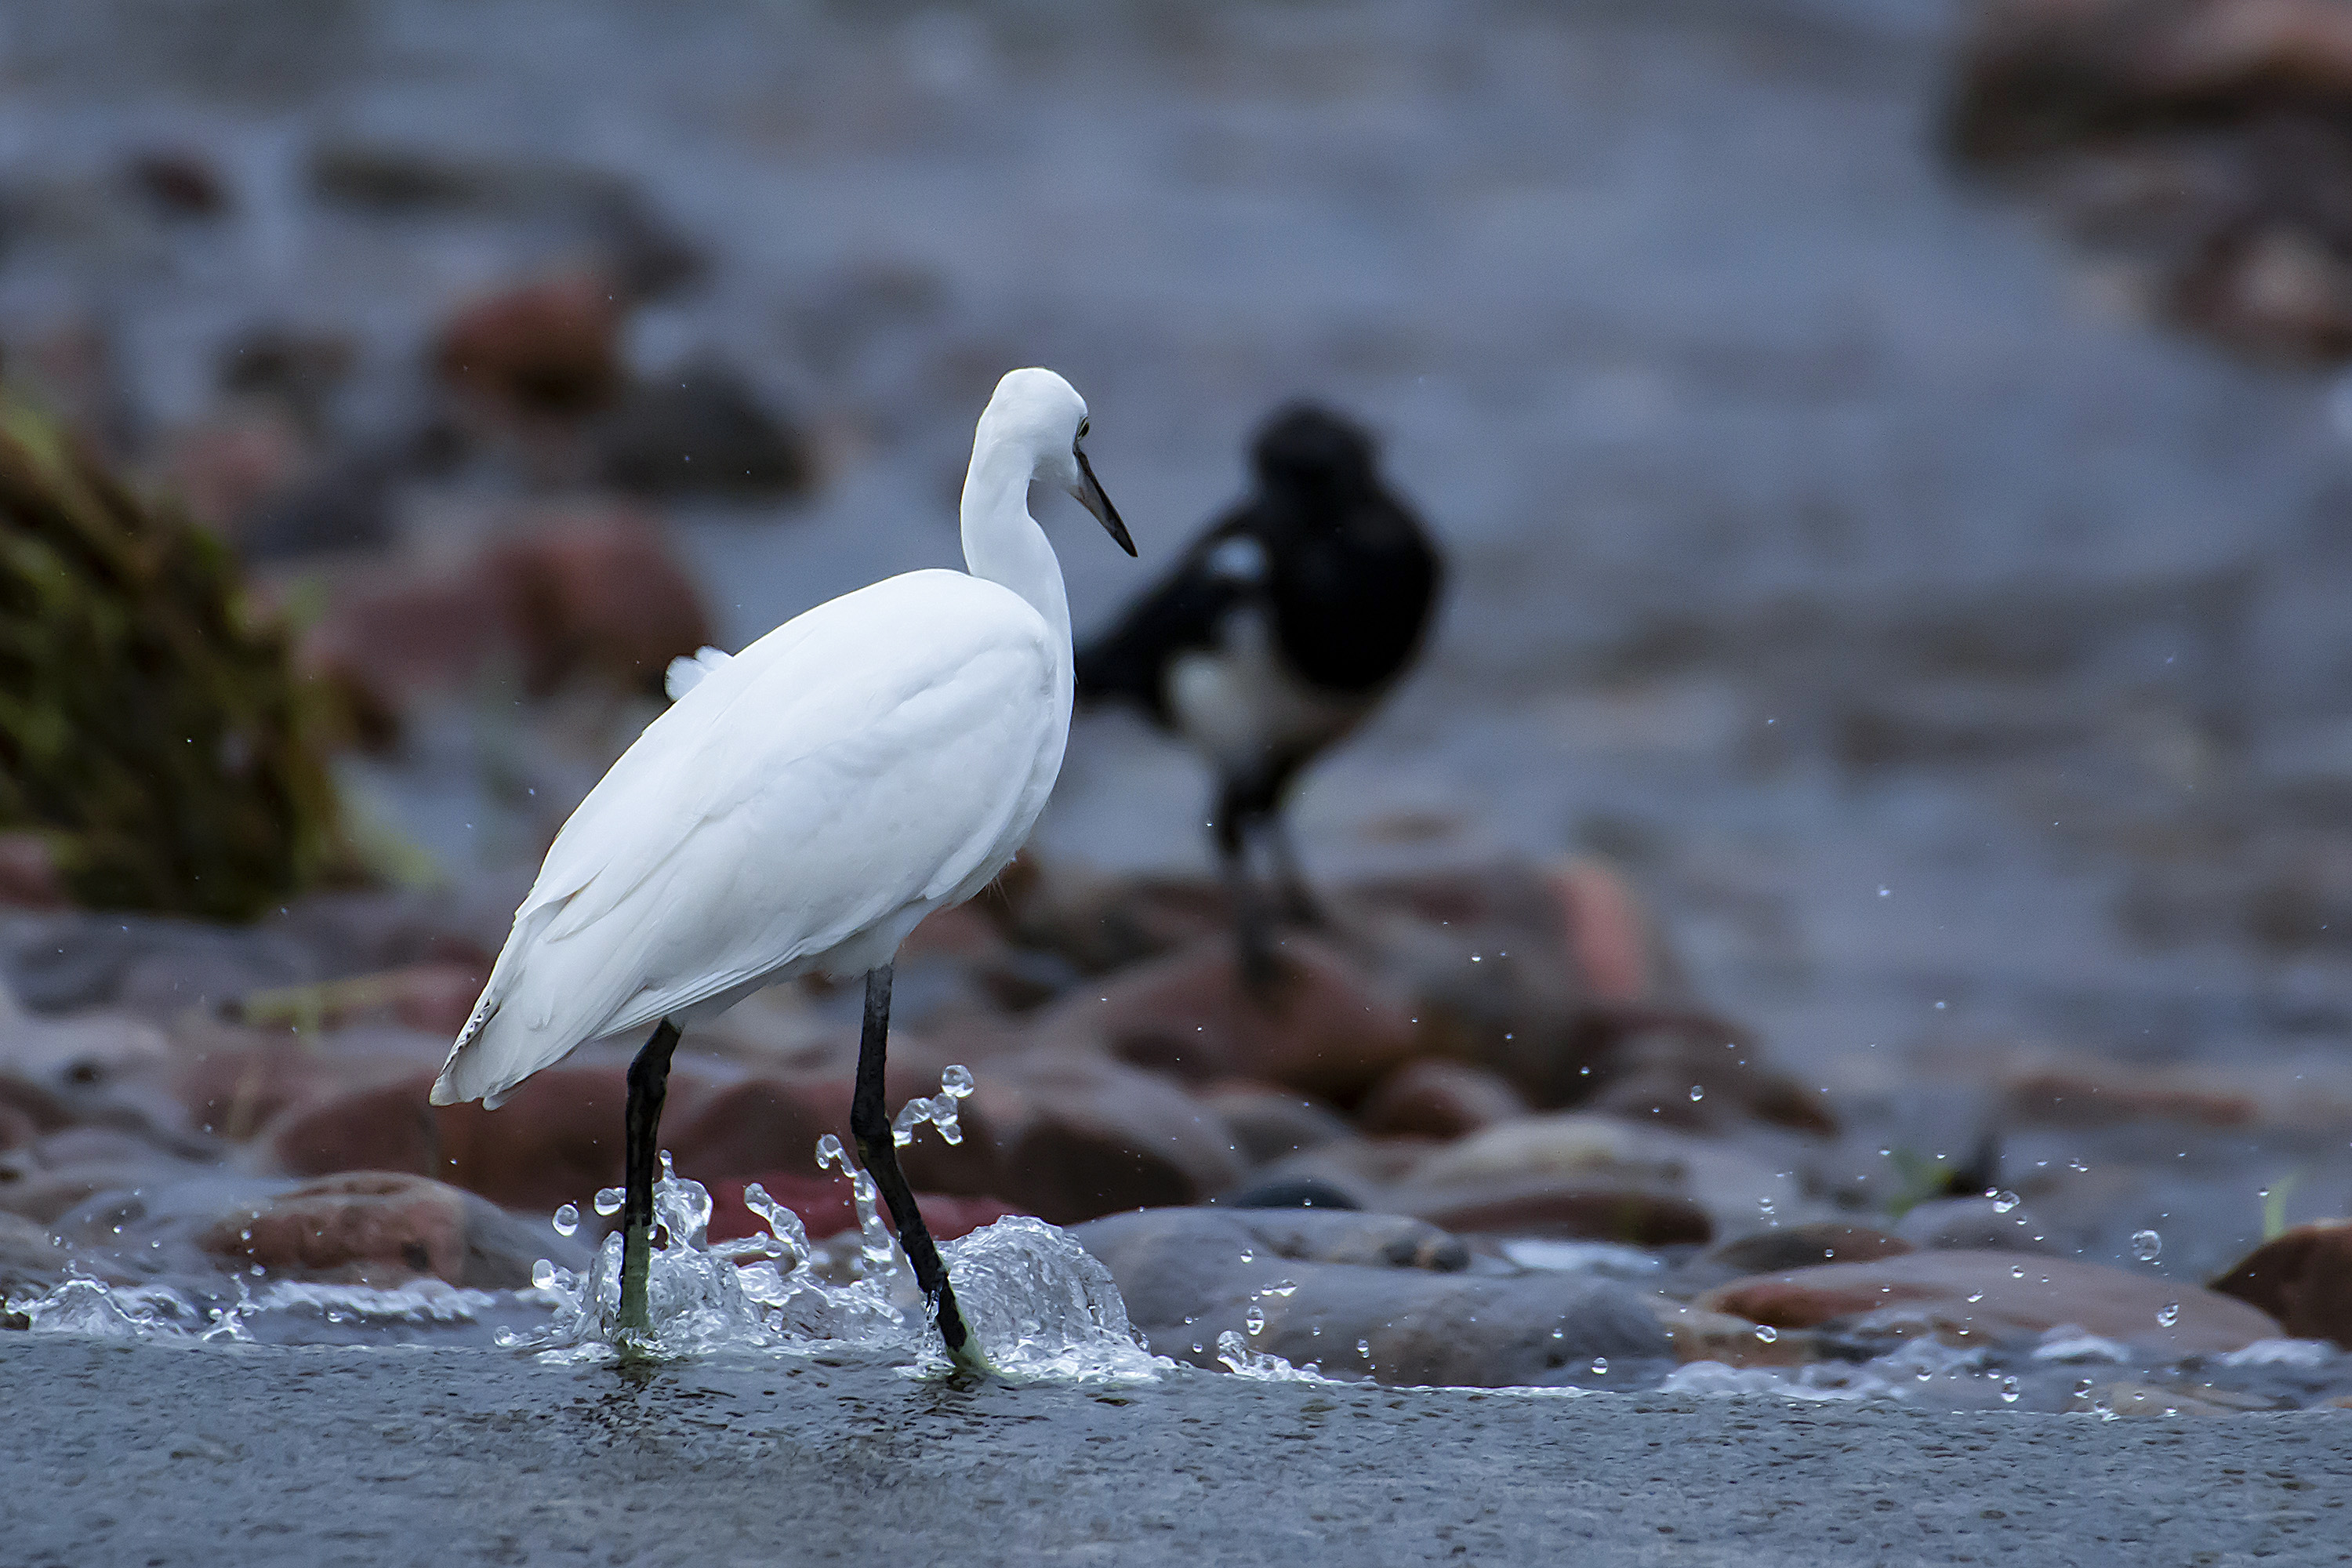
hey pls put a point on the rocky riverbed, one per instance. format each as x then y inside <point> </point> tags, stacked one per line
<point>1853,903</point>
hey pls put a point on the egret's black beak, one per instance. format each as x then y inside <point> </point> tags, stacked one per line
<point>1088,493</point>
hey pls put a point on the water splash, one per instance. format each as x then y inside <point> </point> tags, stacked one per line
<point>1243,1361</point>
<point>1042,1306</point>
<point>940,1109</point>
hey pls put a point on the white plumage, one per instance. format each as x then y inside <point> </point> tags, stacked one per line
<point>806,802</point>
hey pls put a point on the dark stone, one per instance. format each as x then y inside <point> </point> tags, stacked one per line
<point>701,429</point>
<point>1289,1193</point>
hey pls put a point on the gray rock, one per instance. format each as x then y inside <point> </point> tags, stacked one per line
<point>1190,1275</point>
<point>1947,1223</point>
<point>30,1262</point>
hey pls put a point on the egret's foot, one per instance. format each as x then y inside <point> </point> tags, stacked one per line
<point>963,1346</point>
<point>636,1323</point>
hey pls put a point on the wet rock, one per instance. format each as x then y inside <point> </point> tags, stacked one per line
<point>1947,1223</point>
<point>1579,1175</point>
<point>1616,947</point>
<point>1703,1075</point>
<point>1697,1334</point>
<point>30,1262</point>
<point>437,998</point>
<point>570,594</point>
<point>699,430</point>
<point>1329,1027</point>
<point>379,1229</point>
<point>826,1209</point>
<point>2080,1091</point>
<point>1568,1211</point>
<point>557,1141</point>
<point>1805,1245</point>
<point>758,1126</point>
<point>2196,141</point>
<point>30,879</point>
<point>227,467</point>
<point>2303,1277</point>
<point>1269,1123</point>
<point>1383,1240</point>
<point>1439,1099</point>
<point>1971,1296</point>
<point>1188,1276</point>
<point>1290,1193</point>
<point>1102,924</point>
<point>597,594</point>
<point>1078,1135</point>
<point>544,349</point>
<point>177,183</point>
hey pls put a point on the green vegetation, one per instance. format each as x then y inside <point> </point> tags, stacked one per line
<point>153,728</point>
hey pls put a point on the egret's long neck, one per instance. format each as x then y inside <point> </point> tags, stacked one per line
<point>1001,542</point>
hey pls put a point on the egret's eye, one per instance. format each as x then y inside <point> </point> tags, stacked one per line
<point>1082,428</point>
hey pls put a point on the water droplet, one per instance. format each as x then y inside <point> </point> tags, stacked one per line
<point>1767,1332</point>
<point>956,1082</point>
<point>2003,1202</point>
<point>829,1152</point>
<point>542,1275</point>
<point>608,1200</point>
<point>2167,1314</point>
<point>566,1221</point>
<point>2008,1391</point>
<point>1283,1288</point>
<point>1698,1091</point>
<point>1978,1297</point>
<point>1253,1320</point>
<point>2017,1271</point>
<point>1364,1349</point>
<point>2146,1245</point>
<point>1601,1364</point>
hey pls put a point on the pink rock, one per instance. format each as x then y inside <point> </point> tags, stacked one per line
<point>549,348</point>
<point>1328,1027</point>
<point>1970,1297</point>
<point>2303,1277</point>
<point>373,1227</point>
<point>1439,1099</point>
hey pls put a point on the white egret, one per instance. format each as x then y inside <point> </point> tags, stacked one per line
<point>800,808</point>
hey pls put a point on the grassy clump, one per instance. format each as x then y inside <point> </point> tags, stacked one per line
<point>153,728</point>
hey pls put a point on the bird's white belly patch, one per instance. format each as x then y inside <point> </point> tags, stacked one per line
<point>1239,704</point>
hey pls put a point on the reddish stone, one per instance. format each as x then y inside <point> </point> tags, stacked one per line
<point>1978,1296</point>
<point>595,594</point>
<point>601,595</point>
<point>1608,936</point>
<point>557,1141</point>
<point>436,997</point>
<point>2303,1277</point>
<point>1806,1246</point>
<point>28,874</point>
<point>1568,1211</point>
<point>825,1207</point>
<point>551,348</point>
<point>1327,1027</point>
<point>226,469</point>
<point>372,1227</point>
<point>1076,1136</point>
<point>1439,1099</point>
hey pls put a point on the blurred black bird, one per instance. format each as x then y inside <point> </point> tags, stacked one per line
<point>1277,631</point>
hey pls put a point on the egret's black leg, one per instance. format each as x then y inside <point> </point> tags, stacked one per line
<point>1252,922</point>
<point>649,1087</point>
<point>877,1151</point>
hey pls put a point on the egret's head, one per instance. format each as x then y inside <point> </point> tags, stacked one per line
<point>1042,414</point>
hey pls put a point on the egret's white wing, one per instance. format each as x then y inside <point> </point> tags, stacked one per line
<point>868,756</point>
